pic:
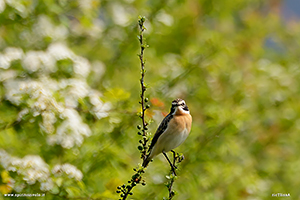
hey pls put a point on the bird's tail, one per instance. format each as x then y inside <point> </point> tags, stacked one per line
<point>146,161</point>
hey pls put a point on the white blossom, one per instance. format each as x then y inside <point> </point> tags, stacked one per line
<point>39,94</point>
<point>97,29</point>
<point>16,4</point>
<point>74,90</point>
<point>71,131</point>
<point>35,60</point>
<point>32,168</point>
<point>49,120</point>
<point>19,187</point>
<point>120,15</point>
<point>165,18</point>
<point>7,74</point>
<point>45,27</point>
<point>22,113</point>
<point>5,159</point>
<point>12,91</point>
<point>98,68</point>
<point>69,170</point>
<point>85,4</point>
<point>2,6</point>
<point>14,53</point>
<point>47,185</point>
<point>4,61</point>
<point>100,108</point>
<point>59,51</point>
<point>81,66</point>
<point>10,54</point>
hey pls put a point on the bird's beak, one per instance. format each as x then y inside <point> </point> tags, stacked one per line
<point>185,108</point>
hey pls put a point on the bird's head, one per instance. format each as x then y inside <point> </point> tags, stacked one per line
<point>179,106</point>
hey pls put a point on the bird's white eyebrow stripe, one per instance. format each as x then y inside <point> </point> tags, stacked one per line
<point>178,103</point>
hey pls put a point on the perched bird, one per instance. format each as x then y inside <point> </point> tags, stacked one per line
<point>172,131</point>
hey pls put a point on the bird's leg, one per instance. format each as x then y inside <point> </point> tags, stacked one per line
<point>174,158</point>
<point>172,166</point>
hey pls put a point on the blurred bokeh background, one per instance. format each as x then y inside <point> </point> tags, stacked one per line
<point>69,93</point>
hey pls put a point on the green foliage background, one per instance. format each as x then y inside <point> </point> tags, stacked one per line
<point>235,64</point>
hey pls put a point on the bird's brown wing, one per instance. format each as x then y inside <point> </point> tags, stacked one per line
<point>161,128</point>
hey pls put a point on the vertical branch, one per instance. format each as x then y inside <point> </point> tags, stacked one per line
<point>125,189</point>
<point>177,158</point>
<point>144,107</point>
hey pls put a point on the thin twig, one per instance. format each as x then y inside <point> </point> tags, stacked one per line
<point>177,158</point>
<point>125,190</point>
<point>143,45</point>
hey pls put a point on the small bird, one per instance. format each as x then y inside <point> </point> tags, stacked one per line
<point>172,131</point>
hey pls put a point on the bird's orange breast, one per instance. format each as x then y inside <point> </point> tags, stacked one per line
<point>181,122</point>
